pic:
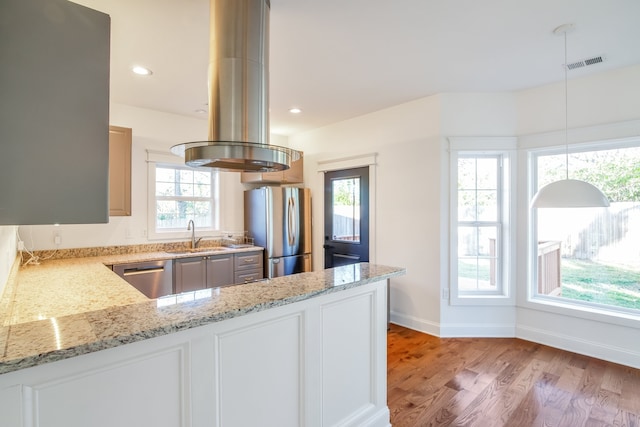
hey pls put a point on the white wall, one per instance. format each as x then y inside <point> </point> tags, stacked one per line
<point>151,130</point>
<point>600,99</point>
<point>406,140</point>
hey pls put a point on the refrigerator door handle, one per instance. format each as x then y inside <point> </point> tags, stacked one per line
<point>291,222</point>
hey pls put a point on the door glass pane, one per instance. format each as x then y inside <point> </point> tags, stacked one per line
<point>346,209</point>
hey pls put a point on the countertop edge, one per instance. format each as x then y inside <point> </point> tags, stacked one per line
<point>14,364</point>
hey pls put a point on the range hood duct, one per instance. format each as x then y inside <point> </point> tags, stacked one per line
<point>238,93</point>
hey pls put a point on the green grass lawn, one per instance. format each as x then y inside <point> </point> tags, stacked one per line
<point>601,283</point>
<point>607,284</point>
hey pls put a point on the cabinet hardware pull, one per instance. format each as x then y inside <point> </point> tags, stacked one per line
<point>135,271</point>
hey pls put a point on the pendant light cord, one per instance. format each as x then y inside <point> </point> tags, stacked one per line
<point>566,107</point>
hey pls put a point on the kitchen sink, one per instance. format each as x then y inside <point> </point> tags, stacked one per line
<point>196,250</point>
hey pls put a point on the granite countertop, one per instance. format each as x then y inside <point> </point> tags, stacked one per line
<point>117,314</point>
<point>59,287</point>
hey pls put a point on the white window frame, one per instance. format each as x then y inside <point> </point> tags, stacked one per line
<point>582,309</point>
<point>505,147</point>
<point>156,158</point>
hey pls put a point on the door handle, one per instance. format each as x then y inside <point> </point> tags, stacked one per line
<point>291,231</point>
<point>356,257</point>
<point>328,247</point>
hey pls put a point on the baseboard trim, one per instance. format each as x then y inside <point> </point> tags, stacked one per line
<point>623,356</point>
<point>477,330</point>
<point>416,324</point>
<point>454,330</point>
<point>380,418</point>
<point>614,354</point>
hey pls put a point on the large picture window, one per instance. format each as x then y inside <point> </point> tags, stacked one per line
<point>590,257</point>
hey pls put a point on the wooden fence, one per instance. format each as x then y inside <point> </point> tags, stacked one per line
<point>608,228</point>
<point>549,271</point>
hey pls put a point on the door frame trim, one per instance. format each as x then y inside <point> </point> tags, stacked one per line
<point>351,162</point>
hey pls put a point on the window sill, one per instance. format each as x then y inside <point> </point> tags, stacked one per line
<point>482,300</point>
<point>567,308</point>
<point>179,235</point>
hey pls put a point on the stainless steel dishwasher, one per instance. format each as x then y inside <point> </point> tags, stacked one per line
<point>152,278</point>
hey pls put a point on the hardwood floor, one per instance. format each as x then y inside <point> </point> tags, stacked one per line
<point>504,382</point>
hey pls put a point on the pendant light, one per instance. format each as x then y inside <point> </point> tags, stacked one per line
<point>568,193</point>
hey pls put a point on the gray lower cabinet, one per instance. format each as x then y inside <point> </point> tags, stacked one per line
<point>191,274</point>
<point>248,267</point>
<point>219,271</point>
<point>213,271</point>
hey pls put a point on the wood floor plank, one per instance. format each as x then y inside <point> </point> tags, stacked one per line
<point>496,382</point>
<point>630,396</point>
<point>604,410</point>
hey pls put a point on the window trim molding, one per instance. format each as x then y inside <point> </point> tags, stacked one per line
<point>162,158</point>
<point>507,147</point>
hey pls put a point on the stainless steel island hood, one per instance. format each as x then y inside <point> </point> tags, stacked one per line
<point>238,93</point>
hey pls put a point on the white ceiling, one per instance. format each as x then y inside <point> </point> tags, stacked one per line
<point>338,59</point>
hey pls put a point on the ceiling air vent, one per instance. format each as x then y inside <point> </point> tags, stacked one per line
<point>585,62</point>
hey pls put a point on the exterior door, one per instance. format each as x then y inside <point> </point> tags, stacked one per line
<point>346,217</point>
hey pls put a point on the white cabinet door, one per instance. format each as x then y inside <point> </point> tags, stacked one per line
<point>260,374</point>
<point>145,391</point>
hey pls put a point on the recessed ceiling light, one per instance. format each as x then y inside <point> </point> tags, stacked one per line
<point>201,111</point>
<point>295,110</point>
<point>142,70</point>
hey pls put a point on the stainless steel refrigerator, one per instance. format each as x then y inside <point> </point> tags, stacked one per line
<point>279,219</point>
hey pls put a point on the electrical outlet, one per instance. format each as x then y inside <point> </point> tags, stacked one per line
<point>445,294</point>
<point>57,240</point>
<point>21,247</point>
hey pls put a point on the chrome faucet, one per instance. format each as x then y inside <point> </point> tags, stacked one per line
<point>191,226</point>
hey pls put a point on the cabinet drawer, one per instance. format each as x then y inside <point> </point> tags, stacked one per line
<point>247,276</point>
<point>248,261</point>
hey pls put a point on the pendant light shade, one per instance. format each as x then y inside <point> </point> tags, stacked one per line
<point>568,193</point>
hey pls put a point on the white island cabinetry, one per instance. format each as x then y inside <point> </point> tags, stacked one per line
<point>320,361</point>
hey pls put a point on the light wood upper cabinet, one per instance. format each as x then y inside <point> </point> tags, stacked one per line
<point>293,175</point>
<point>119,171</point>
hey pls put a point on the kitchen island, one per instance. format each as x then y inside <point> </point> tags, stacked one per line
<point>307,349</point>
